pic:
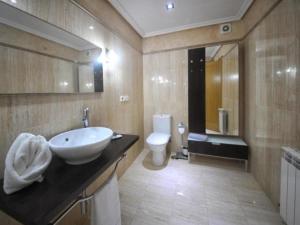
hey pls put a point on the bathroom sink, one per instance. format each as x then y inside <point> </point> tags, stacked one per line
<point>81,145</point>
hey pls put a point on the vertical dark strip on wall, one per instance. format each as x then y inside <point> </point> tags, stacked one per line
<point>98,77</point>
<point>196,90</point>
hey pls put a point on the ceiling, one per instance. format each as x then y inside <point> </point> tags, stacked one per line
<point>150,17</point>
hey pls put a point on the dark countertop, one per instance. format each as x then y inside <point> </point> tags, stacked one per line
<point>40,203</point>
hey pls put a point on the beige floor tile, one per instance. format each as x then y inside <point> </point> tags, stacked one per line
<point>220,212</point>
<point>130,200</point>
<point>178,220</point>
<point>257,216</point>
<point>255,198</point>
<point>190,210</point>
<point>204,192</point>
<point>144,217</point>
<point>126,220</point>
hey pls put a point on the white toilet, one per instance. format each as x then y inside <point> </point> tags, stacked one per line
<point>160,137</point>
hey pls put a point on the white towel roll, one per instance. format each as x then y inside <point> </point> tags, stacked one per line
<point>106,208</point>
<point>26,160</point>
<point>197,137</point>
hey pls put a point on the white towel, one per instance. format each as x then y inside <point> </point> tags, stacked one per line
<point>26,160</point>
<point>197,137</point>
<point>106,208</point>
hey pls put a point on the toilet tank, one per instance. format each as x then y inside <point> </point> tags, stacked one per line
<point>162,123</point>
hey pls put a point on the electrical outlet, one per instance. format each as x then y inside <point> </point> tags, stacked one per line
<point>124,98</point>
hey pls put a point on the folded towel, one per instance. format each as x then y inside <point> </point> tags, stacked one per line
<point>26,160</point>
<point>197,137</point>
<point>106,205</point>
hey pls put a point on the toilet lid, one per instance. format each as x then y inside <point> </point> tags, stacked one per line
<point>158,138</point>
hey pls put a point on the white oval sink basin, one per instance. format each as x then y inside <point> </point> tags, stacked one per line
<point>81,145</point>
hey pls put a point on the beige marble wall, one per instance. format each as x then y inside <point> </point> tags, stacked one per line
<point>166,89</point>
<point>108,16</point>
<point>29,72</point>
<point>49,114</point>
<point>191,38</point>
<point>13,37</point>
<point>272,92</point>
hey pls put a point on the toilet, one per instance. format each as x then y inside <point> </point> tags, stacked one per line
<point>160,137</point>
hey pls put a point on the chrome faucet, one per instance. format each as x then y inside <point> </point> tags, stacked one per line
<point>85,118</point>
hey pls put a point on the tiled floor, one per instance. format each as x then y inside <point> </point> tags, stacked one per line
<point>202,192</point>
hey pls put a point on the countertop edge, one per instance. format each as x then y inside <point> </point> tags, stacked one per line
<point>46,218</point>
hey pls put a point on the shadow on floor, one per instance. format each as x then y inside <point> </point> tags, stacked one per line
<point>221,163</point>
<point>147,162</point>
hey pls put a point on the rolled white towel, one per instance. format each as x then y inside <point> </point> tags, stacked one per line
<point>197,137</point>
<point>26,160</point>
<point>106,209</point>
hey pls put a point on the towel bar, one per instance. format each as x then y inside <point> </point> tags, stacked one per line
<point>84,198</point>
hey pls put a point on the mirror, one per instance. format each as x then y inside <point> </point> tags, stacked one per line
<point>222,89</point>
<point>37,57</point>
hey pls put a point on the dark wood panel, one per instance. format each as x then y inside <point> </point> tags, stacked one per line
<point>98,77</point>
<point>221,150</point>
<point>196,90</point>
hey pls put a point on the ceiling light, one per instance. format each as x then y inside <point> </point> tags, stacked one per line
<point>91,27</point>
<point>14,1</point>
<point>170,6</point>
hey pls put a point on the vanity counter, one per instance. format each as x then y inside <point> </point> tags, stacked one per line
<point>232,147</point>
<point>40,203</point>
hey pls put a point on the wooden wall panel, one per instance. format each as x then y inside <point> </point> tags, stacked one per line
<point>213,93</point>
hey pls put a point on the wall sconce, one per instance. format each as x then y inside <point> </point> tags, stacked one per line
<point>107,56</point>
<point>112,57</point>
<point>101,57</point>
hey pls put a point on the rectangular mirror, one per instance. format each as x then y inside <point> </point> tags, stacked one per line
<point>37,57</point>
<point>222,89</point>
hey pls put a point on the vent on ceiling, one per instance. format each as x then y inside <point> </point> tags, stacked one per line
<point>225,28</point>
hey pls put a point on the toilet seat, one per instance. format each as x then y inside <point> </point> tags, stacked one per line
<point>158,139</point>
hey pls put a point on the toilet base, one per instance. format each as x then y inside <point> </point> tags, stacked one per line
<point>158,158</point>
